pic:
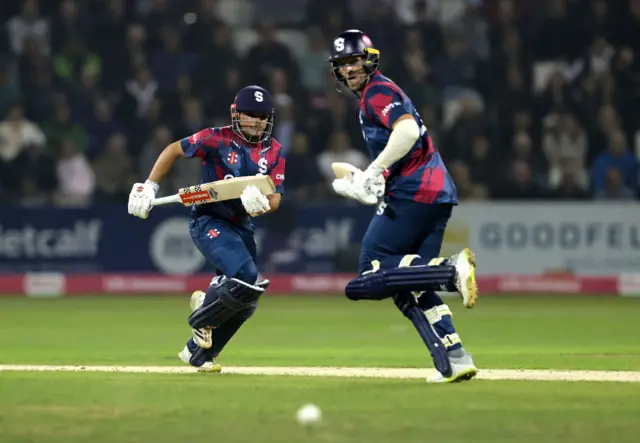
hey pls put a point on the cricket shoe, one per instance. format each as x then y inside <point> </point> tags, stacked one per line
<point>197,298</point>
<point>465,264</point>
<point>462,369</point>
<point>202,337</point>
<point>208,366</point>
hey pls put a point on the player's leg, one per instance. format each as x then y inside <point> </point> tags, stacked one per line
<point>231,298</point>
<point>391,235</point>
<point>204,358</point>
<point>437,312</point>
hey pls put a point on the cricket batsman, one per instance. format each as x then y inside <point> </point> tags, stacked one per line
<point>223,231</point>
<point>400,250</point>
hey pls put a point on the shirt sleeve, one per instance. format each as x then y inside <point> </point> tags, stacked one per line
<point>201,143</point>
<point>386,103</point>
<point>277,172</point>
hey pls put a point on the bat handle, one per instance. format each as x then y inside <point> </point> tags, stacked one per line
<point>175,198</point>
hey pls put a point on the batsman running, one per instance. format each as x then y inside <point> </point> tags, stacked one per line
<point>223,231</point>
<point>400,250</point>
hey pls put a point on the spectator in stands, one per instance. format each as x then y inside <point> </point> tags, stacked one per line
<point>217,53</point>
<point>313,62</point>
<point>469,122</point>
<point>62,126</point>
<point>10,93</point>
<point>457,69</point>
<point>32,60</point>
<point>102,126</point>
<point>208,24</point>
<point>141,91</point>
<point>564,141</point>
<point>174,100</point>
<point>519,184</point>
<point>558,36</point>
<point>29,25</point>
<point>161,137</point>
<point>569,185</point>
<point>419,85</point>
<point>304,180</point>
<point>467,188</point>
<point>617,157</point>
<point>193,118</point>
<point>171,61</point>
<point>83,96</point>
<point>34,168</point>
<point>431,119</point>
<point>76,179</point>
<point>483,162</point>
<point>69,64</point>
<point>67,26</point>
<point>285,105</point>
<point>614,187</point>
<point>17,134</point>
<point>219,108</point>
<point>114,168</point>
<point>268,53</point>
<point>339,149</point>
<point>335,118</point>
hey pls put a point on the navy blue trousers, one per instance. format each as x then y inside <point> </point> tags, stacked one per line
<point>232,250</point>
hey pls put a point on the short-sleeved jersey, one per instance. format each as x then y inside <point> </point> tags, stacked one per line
<point>225,155</point>
<point>420,175</point>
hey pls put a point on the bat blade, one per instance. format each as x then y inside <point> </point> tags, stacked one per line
<point>223,190</point>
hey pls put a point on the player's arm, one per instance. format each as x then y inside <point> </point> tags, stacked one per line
<point>404,134</point>
<point>277,175</point>
<point>393,110</point>
<point>142,194</point>
<point>165,162</point>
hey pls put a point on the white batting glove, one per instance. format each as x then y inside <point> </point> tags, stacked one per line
<point>368,185</point>
<point>344,187</point>
<point>141,197</point>
<point>254,202</point>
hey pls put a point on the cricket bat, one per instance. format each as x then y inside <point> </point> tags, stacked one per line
<point>217,191</point>
<point>343,170</point>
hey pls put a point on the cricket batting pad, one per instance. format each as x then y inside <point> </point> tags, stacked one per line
<point>385,283</point>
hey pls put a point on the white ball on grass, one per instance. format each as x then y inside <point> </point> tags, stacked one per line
<point>309,414</point>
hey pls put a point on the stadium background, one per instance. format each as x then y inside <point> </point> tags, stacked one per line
<point>533,105</point>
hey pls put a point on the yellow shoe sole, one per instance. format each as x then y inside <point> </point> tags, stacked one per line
<point>464,375</point>
<point>470,283</point>
<point>215,369</point>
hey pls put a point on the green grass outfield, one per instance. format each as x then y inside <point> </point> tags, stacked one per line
<point>557,333</point>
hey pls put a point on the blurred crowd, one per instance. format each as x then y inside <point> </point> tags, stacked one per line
<point>526,99</point>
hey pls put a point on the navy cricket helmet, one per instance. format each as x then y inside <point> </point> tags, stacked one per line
<point>346,48</point>
<point>255,102</point>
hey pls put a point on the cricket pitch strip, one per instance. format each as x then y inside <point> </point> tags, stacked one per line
<point>389,373</point>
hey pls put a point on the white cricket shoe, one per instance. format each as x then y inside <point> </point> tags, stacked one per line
<point>197,298</point>
<point>209,366</point>
<point>462,369</point>
<point>185,355</point>
<point>465,264</point>
<point>203,337</point>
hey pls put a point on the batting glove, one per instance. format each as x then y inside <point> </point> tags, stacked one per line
<point>254,202</point>
<point>141,198</point>
<point>368,185</point>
